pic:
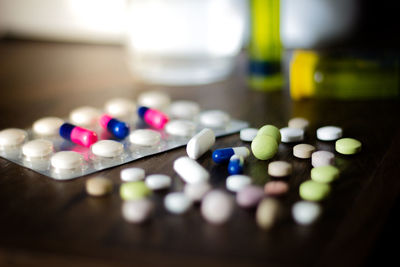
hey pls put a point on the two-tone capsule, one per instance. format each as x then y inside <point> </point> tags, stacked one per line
<point>235,165</point>
<point>116,127</point>
<point>153,117</point>
<point>224,154</point>
<point>78,135</point>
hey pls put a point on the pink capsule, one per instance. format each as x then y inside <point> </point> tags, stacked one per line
<point>78,135</point>
<point>153,117</point>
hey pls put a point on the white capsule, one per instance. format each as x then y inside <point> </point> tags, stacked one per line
<point>67,160</point>
<point>329,133</point>
<point>38,148</point>
<point>196,191</point>
<point>85,116</point>
<point>200,143</point>
<point>180,127</point>
<point>120,107</point>
<point>237,182</point>
<point>214,118</point>
<point>12,137</point>
<point>248,134</point>
<point>305,212</point>
<point>107,148</point>
<point>137,211</point>
<point>158,181</point>
<point>132,174</point>
<point>322,158</point>
<point>217,207</point>
<point>184,109</point>
<point>145,137</point>
<point>177,203</point>
<point>289,135</point>
<point>48,126</point>
<point>190,171</point>
<point>154,99</point>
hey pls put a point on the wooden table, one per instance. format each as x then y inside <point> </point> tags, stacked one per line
<point>44,222</point>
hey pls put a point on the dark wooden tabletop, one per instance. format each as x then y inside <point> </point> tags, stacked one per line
<point>44,222</point>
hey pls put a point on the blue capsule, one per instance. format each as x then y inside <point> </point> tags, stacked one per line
<point>224,154</point>
<point>118,128</point>
<point>235,165</point>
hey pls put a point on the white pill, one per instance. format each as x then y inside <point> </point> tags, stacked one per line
<point>145,137</point>
<point>48,126</point>
<point>305,212</point>
<point>67,160</point>
<point>132,174</point>
<point>177,203</point>
<point>154,99</point>
<point>120,107</point>
<point>322,158</point>
<point>196,191</point>
<point>107,148</point>
<point>38,148</point>
<point>12,137</point>
<point>180,127</point>
<point>303,151</point>
<point>137,211</point>
<point>85,116</point>
<point>200,143</point>
<point>329,133</point>
<point>158,181</point>
<point>214,118</point>
<point>184,109</point>
<point>190,171</point>
<point>279,168</point>
<point>299,123</point>
<point>237,182</point>
<point>217,207</point>
<point>248,134</point>
<point>289,135</point>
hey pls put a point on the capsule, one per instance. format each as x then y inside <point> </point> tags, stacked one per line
<point>118,128</point>
<point>78,135</point>
<point>224,154</point>
<point>153,117</point>
<point>235,165</point>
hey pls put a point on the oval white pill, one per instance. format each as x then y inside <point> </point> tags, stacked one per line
<point>200,143</point>
<point>279,168</point>
<point>85,116</point>
<point>237,182</point>
<point>214,118</point>
<point>37,148</point>
<point>145,137</point>
<point>184,109</point>
<point>303,151</point>
<point>196,191</point>
<point>180,127</point>
<point>120,107</point>
<point>158,181</point>
<point>322,158</point>
<point>329,133</point>
<point>132,174</point>
<point>299,123</point>
<point>137,211</point>
<point>190,171</point>
<point>154,99</point>
<point>305,212</point>
<point>289,135</point>
<point>217,207</point>
<point>177,203</point>
<point>12,137</point>
<point>47,126</point>
<point>107,148</point>
<point>248,134</point>
<point>67,160</point>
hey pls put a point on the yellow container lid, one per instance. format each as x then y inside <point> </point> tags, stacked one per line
<point>302,68</point>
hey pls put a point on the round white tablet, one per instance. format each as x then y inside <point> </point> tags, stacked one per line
<point>132,174</point>
<point>120,107</point>
<point>180,127</point>
<point>67,160</point>
<point>38,148</point>
<point>137,211</point>
<point>85,116</point>
<point>177,203</point>
<point>289,135</point>
<point>329,133</point>
<point>12,137</point>
<point>197,191</point>
<point>48,126</point>
<point>107,148</point>
<point>248,134</point>
<point>217,207</point>
<point>145,137</point>
<point>299,123</point>
<point>184,109</point>
<point>305,212</point>
<point>214,118</point>
<point>154,99</point>
<point>322,158</point>
<point>158,181</point>
<point>236,182</point>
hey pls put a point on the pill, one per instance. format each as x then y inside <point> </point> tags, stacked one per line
<point>116,127</point>
<point>137,211</point>
<point>280,168</point>
<point>67,160</point>
<point>158,181</point>
<point>322,158</point>
<point>99,186</point>
<point>78,135</point>
<point>132,174</point>
<point>107,148</point>
<point>120,107</point>
<point>180,127</point>
<point>217,207</point>
<point>190,171</point>
<point>153,117</point>
<point>314,191</point>
<point>224,154</point>
<point>235,165</point>
<point>272,131</point>
<point>324,174</point>
<point>306,212</point>
<point>303,151</point>
<point>145,137</point>
<point>264,147</point>
<point>12,137</point>
<point>177,203</point>
<point>329,133</point>
<point>249,196</point>
<point>248,134</point>
<point>184,109</point>
<point>299,123</point>
<point>47,126</point>
<point>154,99</point>
<point>290,135</point>
<point>237,182</point>
<point>134,190</point>
<point>276,188</point>
<point>268,213</point>
<point>37,148</point>
<point>214,118</point>
<point>196,191</point>
<point>200,143</point>
<point>348,146</point>
<point>85,116</point>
